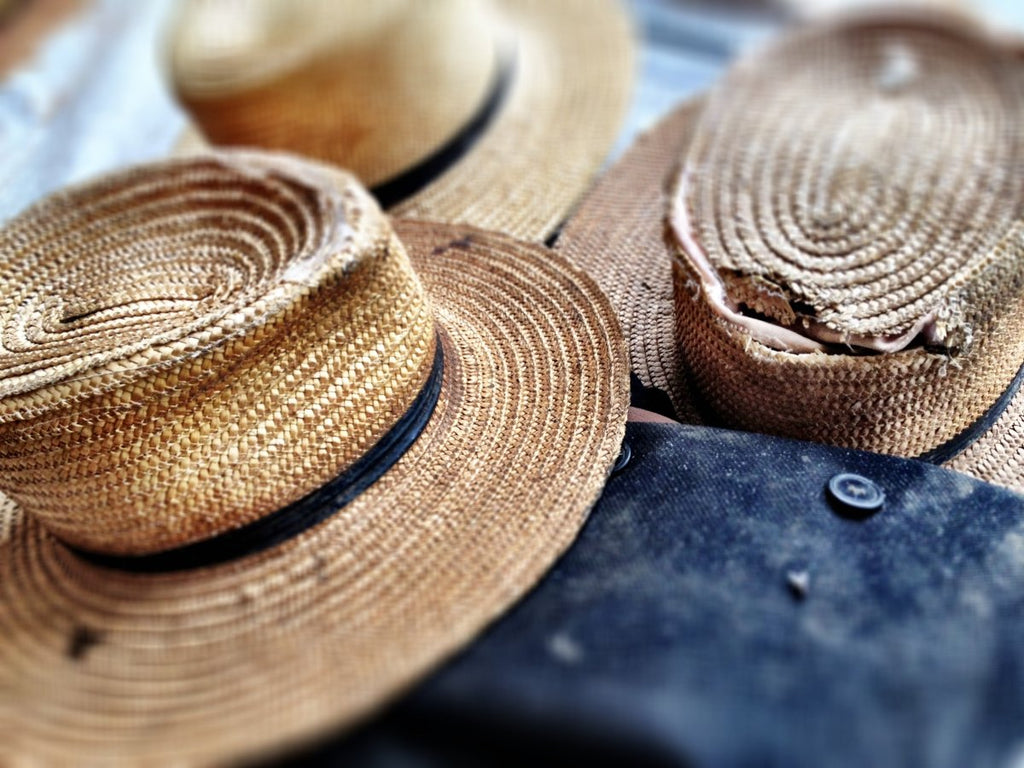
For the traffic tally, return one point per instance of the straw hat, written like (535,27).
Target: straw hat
(266,460)
(495,113)
(831,247)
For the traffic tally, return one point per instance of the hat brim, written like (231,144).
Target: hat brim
(234,660)
(570,79)
(619,235)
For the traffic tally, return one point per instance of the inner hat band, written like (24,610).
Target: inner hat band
(411,181)
(963,440)
(301,515)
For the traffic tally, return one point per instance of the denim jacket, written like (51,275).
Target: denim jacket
(723,607)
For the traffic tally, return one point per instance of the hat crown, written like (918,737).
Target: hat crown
(190,346)
(859,175)
(371,86)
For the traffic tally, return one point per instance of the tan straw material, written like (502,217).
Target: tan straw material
(191,345)
(523,98)
(619,236)
(24,25)
(844,221)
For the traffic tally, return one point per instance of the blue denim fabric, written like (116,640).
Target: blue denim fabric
(719,610)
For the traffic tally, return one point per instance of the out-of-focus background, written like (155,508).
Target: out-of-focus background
(83,87)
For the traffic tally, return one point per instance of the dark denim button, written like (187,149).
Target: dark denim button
(856,493)
(625,454)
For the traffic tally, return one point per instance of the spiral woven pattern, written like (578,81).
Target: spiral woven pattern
(850,180)
(855,186)
(226,333)
(689,319)
(199,667)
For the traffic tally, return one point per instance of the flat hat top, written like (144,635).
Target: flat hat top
(857,175)
(147,262)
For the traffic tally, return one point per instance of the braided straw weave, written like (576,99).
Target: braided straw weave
(619,237)
(378,87)
(850,207)
(188,345)
(229,339)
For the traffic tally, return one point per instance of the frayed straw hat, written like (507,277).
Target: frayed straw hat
(266,460)
(831,245)
(495,113)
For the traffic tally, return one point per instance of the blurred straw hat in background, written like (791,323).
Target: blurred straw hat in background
(491,113)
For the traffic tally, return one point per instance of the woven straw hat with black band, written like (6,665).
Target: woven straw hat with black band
(267,460)
(494,113)
(830,246)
